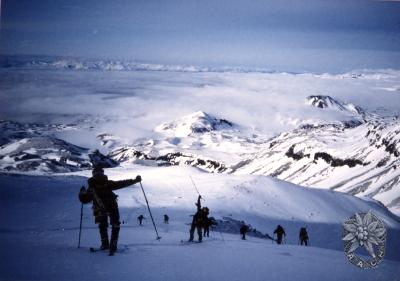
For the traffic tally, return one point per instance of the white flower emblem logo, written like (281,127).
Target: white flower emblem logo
(364,230)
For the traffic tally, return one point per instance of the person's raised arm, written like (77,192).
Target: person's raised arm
(124,183)
(198,204)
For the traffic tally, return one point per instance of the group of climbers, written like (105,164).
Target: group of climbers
(141,218)
(280,234)
(105,211)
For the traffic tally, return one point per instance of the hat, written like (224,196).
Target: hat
(97,170)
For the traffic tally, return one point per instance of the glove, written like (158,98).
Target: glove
(138,178)
(83,189)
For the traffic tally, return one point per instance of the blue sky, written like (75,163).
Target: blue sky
(293,35)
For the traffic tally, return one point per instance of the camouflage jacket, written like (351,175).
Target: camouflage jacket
(100,191)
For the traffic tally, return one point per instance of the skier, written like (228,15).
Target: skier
(140,219)
(166,219)
(279,231)
(243,230)
(209,222)
(198,221)
(105,205)
(303,236)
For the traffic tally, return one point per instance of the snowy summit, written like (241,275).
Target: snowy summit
(327,102)
(195,123)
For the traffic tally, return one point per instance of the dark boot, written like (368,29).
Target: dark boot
(114,239)
(105,245)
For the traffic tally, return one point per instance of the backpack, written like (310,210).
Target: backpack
(85,196)
(303,233)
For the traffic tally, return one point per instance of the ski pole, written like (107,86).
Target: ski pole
(222,237)
(267,236)
(80,227)
(195,187)
(151,216)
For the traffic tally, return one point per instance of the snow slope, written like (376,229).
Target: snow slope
(359,158)
(40,220)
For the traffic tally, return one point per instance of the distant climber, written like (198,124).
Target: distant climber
(105,206)
(303,236)
(166,219)
(199,220)
(140,219)
(243,230)
(280,232)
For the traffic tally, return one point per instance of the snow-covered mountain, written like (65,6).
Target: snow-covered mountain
(49,155)
(361,159)
(44,154)
(198,139)
(71,63)
(198,122)
(11,130)
(34,148)
(327,102)
(80,64)
(358,155)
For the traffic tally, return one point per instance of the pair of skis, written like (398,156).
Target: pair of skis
(186,242)
(119,250)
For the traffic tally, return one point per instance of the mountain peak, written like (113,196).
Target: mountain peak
(328,102)
(195,123)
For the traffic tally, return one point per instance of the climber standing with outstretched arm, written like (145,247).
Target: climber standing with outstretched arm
(105,205)
(199,220)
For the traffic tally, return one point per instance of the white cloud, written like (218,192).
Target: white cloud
(131,104)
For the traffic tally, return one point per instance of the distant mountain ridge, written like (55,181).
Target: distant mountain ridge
(101,64)
(32,148)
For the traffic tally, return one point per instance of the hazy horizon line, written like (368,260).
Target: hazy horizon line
(217,67)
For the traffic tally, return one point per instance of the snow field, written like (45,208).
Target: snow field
(40,217)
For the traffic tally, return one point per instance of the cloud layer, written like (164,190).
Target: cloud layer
(131,104)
